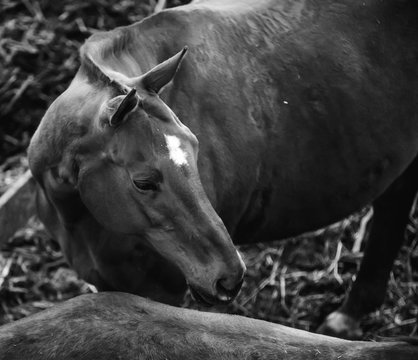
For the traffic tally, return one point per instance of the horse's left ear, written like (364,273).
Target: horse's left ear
(162,74)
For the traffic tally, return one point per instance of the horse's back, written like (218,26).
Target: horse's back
(123,326)
(310,105)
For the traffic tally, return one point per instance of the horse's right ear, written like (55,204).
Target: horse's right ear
(159,76)
(120,106)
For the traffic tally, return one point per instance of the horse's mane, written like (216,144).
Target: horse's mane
(99,47)
(127,49)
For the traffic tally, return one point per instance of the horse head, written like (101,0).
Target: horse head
(133,164)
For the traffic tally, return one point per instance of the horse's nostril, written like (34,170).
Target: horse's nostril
(225,291)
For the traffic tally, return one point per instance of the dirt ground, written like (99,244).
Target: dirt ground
(296,282)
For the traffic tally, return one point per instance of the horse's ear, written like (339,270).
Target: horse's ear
(162,74)
(120,106)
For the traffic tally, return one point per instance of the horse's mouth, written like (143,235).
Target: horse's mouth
(207,300)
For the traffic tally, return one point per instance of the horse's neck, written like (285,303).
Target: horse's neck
(134,49)
(137,48)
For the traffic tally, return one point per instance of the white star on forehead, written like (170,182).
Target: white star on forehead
(177,155)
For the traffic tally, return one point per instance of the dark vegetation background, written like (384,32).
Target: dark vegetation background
(294,282)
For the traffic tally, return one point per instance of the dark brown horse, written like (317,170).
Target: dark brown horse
(303,111)
(123,326)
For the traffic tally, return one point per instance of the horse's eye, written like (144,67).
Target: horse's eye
(145,186)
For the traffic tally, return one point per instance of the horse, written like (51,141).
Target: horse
(283,117)
(123,326)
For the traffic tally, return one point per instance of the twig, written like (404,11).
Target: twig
(334,265)
(92,288)
(19,93)
(283,288)
(161,4)
(260,287)
(361,233)
(6,270)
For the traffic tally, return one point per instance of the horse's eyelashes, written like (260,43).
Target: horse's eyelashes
(146,185)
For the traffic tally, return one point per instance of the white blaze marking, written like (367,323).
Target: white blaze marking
(176,152)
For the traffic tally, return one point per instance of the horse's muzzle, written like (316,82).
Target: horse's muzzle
(223,296)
